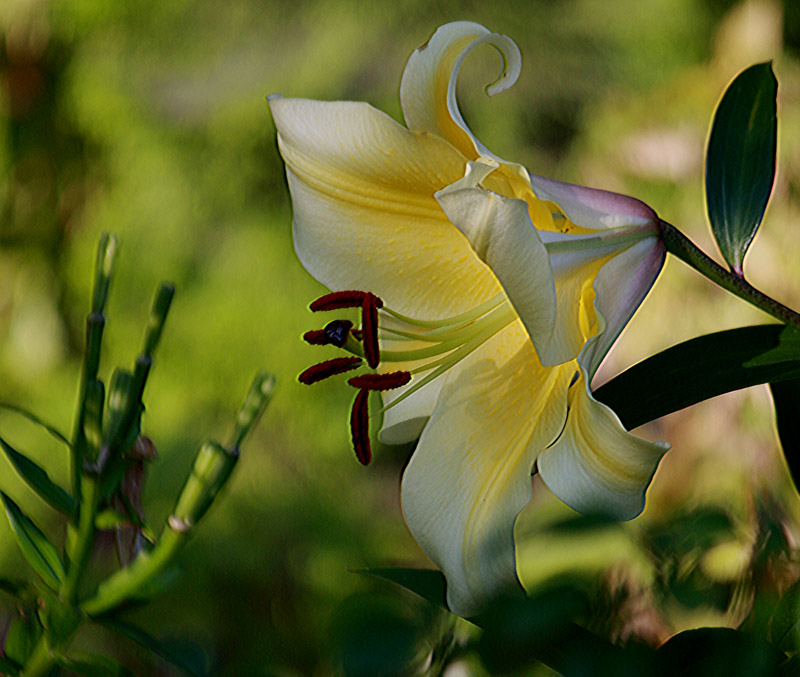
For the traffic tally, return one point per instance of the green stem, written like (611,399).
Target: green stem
(84,539)
(684,249)
(124,584)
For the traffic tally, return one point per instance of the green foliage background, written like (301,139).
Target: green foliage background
(149,120)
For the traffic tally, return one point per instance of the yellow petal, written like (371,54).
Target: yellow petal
(364,213)
(470,475)
(500,231)
(596,466)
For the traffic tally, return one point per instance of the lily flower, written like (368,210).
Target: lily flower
(489,297)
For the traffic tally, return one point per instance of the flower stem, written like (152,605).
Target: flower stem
(683,248)
(84,540)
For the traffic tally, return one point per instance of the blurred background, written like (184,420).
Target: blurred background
(149,120)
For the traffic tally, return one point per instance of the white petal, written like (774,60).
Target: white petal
(364,213)
(600,280)
(620,287)
(502,234)
(428,86)
(596,466)
(470,475)
(593,208)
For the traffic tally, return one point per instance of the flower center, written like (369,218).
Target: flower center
(387,337)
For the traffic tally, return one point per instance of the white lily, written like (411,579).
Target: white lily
(503,292)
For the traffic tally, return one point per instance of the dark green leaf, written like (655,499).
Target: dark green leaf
(718,651)
(9,667)
(701,368)
(93,665)
(38,551)
(189,662)
(427,583)
(519,631)
(786,396)
(740,161)
(39,480)
(35,420)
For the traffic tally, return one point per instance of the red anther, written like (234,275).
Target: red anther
(323,370)
(393,379)
(316,337)
(369,328)
(339,299)
(359,427)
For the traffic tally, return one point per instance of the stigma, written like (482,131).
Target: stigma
(387,337)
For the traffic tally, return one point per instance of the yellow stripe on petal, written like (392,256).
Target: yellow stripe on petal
(470,475)
(364,213)
(428,86)
(596,466)
(500,231)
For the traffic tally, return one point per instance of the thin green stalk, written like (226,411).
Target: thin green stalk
(252,408)
(124,584)
(84,539)
(95,323)
(680,246)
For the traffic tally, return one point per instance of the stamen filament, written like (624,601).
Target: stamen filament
(442,365)
(472,314)
(485,326)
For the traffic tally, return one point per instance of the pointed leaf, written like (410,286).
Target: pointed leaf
(786,396)
(35,420)
(39,480)
(725,361)
(427,583)
(740,161)
(38,551)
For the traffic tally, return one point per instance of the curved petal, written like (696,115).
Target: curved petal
(596,466)
(593,208)
(600,280)
(364,213)
(470,474)
(619,289)
(502,234)
(428,86)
